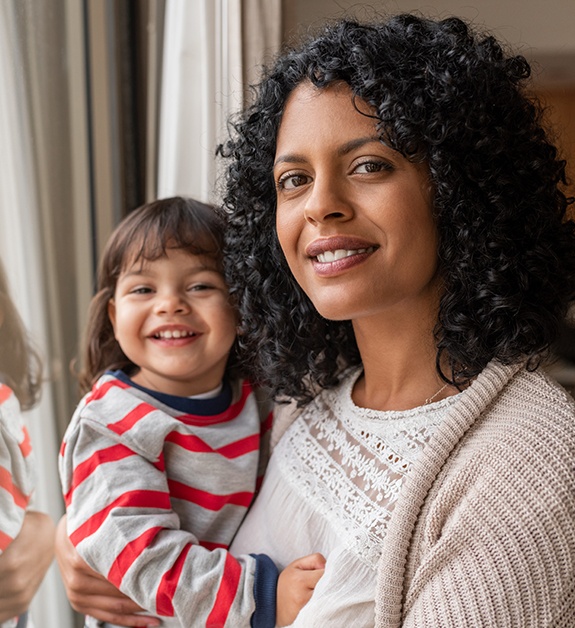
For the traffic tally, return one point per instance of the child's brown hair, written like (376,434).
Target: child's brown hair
(20,364)
(144,235)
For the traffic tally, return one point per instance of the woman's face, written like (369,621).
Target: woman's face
(354,217)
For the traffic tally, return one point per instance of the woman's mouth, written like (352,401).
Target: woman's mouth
(328,257)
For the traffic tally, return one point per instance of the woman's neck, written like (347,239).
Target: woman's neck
(399,361)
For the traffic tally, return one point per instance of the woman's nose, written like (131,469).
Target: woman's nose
(327,201)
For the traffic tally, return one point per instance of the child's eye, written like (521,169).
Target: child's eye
(199,287)
(290,181)
(141,290)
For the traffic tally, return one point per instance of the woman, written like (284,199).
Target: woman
(400,255)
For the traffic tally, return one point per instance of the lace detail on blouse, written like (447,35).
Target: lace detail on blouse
(349,463)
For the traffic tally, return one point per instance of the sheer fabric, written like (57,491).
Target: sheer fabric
(331,487)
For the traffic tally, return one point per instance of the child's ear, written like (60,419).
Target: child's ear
(112,313)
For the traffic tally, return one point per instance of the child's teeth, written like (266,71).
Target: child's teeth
(173,334)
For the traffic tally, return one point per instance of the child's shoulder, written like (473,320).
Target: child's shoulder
(6,394)
(12,427)
(243,389)
(114,411)
(10,413)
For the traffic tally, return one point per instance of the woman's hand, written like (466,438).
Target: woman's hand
(296,584)
(24,564)
(89,592)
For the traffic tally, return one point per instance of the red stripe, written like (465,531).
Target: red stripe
(267,423)
(189,442)
(160,464)
(241,447)
(63,448)
(25,445)
(259,482)
(226,593)
(132,499)
(209,545)
(129,554)
(169,584)
(5,393)
(208,500)
(99,392)
(135,415)
(85,469)
(20,499)
(228,415)
(5,540)
(238,448)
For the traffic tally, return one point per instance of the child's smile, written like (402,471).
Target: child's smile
(172,319)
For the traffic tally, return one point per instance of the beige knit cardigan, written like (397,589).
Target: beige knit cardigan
(483,533)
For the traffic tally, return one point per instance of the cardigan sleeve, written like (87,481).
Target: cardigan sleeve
(497,547)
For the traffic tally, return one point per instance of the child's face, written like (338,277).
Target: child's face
(172,318)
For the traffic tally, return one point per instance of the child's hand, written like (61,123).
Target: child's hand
(295,586)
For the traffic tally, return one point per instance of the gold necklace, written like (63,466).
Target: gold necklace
(430,399)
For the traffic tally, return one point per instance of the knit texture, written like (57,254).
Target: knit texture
(483,533)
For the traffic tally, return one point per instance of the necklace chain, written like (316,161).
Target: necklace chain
(430,399)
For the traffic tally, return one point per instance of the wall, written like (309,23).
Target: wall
(542,30)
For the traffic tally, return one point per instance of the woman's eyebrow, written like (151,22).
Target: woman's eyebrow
(291,158)
(344,149)
(358,142)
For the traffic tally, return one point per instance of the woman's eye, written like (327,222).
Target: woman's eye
(291,181)
(368,167)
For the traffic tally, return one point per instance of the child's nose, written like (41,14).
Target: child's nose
(172,303)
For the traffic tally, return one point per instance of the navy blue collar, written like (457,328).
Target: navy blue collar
(200,407)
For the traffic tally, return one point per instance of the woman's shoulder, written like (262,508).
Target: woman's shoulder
(535,399)
(528,427)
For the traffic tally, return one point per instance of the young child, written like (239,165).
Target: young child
(20,381)
(163,455)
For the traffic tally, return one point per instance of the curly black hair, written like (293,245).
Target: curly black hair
(454,99)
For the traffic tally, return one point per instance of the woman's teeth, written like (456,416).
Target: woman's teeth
(173,334)
(333,256)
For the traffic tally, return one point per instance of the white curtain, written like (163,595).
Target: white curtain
(201,60)
(204,61)
(21,253)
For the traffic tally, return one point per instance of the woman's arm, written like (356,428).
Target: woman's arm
(24,563)
(89,592)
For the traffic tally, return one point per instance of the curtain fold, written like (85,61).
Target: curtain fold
(203,83)
(22,246)
(80,96)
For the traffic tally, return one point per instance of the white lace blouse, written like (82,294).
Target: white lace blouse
(331,485)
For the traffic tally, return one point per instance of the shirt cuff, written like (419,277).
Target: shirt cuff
(265,592)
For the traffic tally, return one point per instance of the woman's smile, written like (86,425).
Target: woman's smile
(354,217)
(334,255)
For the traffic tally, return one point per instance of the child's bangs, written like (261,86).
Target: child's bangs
(151,241)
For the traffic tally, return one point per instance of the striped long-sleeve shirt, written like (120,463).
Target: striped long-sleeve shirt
(17,471)
(155,488)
